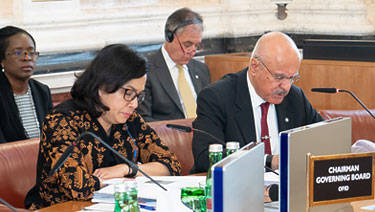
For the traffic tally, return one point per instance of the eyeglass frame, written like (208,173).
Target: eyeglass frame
(279,78)
(21,54)
(198,46)
(140,97)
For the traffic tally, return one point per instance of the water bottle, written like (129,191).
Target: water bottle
(133,205)
(215,154)
(121,196)
(231,147)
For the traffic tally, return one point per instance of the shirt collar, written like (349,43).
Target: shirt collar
(168,60)
(255,98)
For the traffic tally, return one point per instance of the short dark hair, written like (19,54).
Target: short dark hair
(179,17)
(7,32)
(112,67)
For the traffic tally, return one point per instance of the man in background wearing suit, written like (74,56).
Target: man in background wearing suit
(174,78)
(254,104)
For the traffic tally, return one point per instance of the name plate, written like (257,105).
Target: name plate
(340,178)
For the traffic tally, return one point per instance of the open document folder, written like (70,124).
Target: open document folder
(150,194)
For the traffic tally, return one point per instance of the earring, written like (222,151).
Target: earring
(2,69)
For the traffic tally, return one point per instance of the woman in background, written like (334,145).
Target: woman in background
(104,99)
(24,101)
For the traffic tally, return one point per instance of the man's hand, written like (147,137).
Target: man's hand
(112,172)
(275,162)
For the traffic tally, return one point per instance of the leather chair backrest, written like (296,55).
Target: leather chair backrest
(18,160)
(177,141)
(17,170)
(363,125)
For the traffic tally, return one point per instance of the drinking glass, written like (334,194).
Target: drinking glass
(194,198)
(121,196)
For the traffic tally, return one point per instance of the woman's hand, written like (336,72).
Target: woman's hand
(112,172)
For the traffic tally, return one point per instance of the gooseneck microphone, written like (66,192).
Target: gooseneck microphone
(62,159)
(335,90)
(69,150)
(271,170)
(8,205)
(273,192)
(324,90)
(189,129)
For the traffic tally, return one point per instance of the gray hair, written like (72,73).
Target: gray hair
(179,18)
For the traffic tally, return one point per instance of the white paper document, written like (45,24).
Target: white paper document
(165,200)
(271,178)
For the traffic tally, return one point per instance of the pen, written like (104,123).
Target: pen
(147,207)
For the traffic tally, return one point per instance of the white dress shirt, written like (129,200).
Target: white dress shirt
(173,70)
(273,129)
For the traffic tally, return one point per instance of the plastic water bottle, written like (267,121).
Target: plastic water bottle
(121,197)
(231,147)
(133,205)
(215,155)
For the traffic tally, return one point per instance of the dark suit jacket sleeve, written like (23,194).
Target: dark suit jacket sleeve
(210,111)
(298,109)
(312,116)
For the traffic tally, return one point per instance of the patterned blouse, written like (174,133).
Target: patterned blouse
(74,180)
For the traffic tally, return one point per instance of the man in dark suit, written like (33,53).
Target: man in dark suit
(232,108)
(174,78)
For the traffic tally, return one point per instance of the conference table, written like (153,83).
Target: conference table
(78,205)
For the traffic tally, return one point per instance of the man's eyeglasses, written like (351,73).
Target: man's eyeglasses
(21,54)
(279,77)
(188,47)
(130,94)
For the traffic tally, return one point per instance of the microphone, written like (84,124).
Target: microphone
(273,192)
(334,90)
(189,129)
(180,127)
(8,205)
(324,90)
(69,150)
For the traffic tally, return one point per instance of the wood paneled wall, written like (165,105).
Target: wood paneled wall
(222,64)
(358,77)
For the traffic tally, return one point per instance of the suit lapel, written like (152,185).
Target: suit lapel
(38,102)
(283,119)
(194,78)
(244,114)
(163,75)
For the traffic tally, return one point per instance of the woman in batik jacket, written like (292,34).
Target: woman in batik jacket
(104,99)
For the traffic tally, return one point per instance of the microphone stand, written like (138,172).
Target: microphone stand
(8,205)
(130,163)
(206,133)
(189,129)
(359,101)
(271,170)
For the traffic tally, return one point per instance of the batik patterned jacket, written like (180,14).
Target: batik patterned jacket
(74,180)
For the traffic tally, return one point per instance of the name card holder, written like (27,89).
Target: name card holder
(335,179)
